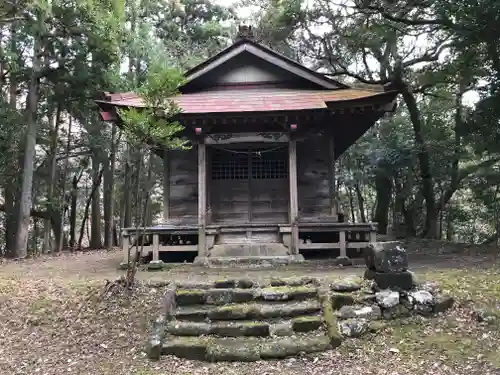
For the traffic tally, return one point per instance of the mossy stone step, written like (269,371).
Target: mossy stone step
(248,311)
(229,329)
(240,327)
(224,296)
(216,350)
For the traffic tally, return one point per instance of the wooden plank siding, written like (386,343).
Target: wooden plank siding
(268,200)
(184,185)
(312,175)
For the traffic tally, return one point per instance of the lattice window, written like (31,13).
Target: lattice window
(229,165)
(270,165)
(251,163)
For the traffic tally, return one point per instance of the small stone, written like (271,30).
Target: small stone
(349,284)
(353,327)
(387,298)
(245,284)
(394,280)
(367,299)
(360,312)
(421,297)
(443,303)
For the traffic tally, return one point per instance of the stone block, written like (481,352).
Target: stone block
(341,299)
(386,257)
(307,323)
(394,280)
(360,312)
(353,327)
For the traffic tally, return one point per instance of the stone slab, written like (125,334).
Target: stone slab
(394,280)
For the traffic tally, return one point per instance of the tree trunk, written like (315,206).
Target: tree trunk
(127,192)
(25,202)
(95,186)
(351,204)
(95,222)
(74,201)
(424,163)
(109,205)
(64,201)
(50,189)
(383,188)
(361,203)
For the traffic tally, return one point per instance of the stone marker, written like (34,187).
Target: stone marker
(386,257)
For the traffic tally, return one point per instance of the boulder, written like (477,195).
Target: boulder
(387,298)
(386,257)
(394,280)
(353,327)
(360,312)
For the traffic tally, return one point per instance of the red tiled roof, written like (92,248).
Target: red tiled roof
(251,100)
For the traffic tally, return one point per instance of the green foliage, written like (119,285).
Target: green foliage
(152,124)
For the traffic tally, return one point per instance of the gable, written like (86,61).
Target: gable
(247,63)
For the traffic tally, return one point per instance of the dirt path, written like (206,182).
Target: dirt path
(52,321)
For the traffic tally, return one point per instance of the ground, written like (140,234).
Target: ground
(55,319)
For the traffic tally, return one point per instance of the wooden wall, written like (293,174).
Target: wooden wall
(312,177)
(229,201)
(184,185)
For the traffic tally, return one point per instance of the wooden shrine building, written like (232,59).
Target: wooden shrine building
(258,182)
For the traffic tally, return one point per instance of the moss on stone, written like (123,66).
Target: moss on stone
(187,347)
(237,312)
(185,297)
(232,351)
(286,293)
(330,318)
(283,348)
(241,328)
(376,326)
(307,323)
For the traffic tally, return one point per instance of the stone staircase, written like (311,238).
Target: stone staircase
(238,320)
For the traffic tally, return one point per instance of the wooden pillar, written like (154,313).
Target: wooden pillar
(294,203)
(331,176)
(125,246)
(202,198)
(343,245)
(166,186)
(156,247)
